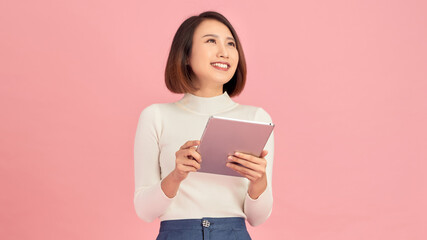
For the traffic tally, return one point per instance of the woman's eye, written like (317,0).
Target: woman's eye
(211,40)
(232,44)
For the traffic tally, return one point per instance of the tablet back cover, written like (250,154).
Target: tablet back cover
(224,136)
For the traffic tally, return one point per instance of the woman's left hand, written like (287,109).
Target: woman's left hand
(254,168)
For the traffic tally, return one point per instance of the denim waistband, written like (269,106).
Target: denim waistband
(198,224)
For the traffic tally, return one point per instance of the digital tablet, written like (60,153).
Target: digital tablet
(224,136)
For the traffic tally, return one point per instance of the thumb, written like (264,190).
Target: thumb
(264,153)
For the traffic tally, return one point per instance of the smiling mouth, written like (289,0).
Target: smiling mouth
(221,66)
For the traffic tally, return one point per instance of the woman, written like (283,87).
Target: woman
(207,64)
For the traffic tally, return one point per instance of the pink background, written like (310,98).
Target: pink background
(345,82)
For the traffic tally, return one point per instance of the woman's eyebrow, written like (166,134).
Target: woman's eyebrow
(216,36)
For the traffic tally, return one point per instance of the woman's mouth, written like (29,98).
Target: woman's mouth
(221,66)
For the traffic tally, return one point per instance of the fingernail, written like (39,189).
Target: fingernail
(230,158)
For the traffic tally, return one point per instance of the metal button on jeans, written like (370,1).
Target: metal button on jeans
(206,223)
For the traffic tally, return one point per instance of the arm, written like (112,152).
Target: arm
(187,160)
(259,198)
(153,195)
(258,209)
(149,200)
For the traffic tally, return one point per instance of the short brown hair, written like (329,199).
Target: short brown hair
(178,73)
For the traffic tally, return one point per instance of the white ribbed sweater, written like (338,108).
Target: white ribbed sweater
(162,129)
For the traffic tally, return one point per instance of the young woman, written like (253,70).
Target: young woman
(206,63)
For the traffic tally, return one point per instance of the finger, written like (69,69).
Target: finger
(243,170)
(246,163)
(186,168)
(249,157)
(186,154)
(264,153)
(190,144)
(193,154)
(192,166)
(190,162)
(251,178)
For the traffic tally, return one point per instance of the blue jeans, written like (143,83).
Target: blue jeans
(232,228)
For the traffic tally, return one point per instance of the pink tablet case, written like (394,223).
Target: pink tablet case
(223,136)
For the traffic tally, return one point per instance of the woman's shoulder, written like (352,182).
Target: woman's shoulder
(154,110)
(259,114)
(157,107)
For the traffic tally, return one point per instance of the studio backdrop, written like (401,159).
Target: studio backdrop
(345,82)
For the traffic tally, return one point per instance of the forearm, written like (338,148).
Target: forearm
(170,184)
(258,210)
(258,202)
(151,202)
(257,188)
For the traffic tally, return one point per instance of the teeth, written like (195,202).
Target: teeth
(221,65)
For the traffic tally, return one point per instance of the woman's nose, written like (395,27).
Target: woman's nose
(222,51)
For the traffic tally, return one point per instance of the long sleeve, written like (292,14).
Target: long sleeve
(258,210)
(162,128)
(150,202)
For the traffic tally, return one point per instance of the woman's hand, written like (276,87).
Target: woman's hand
(187,160)
(253,168)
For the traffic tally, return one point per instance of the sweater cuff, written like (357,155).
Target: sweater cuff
(152,202)
(258,210)
(260,198)
(166,198)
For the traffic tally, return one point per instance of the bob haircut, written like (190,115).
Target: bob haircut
(178,73)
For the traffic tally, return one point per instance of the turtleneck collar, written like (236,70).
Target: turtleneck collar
(206,105)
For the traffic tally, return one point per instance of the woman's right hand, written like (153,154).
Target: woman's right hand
(187,160)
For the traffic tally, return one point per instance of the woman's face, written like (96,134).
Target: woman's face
(214,56)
